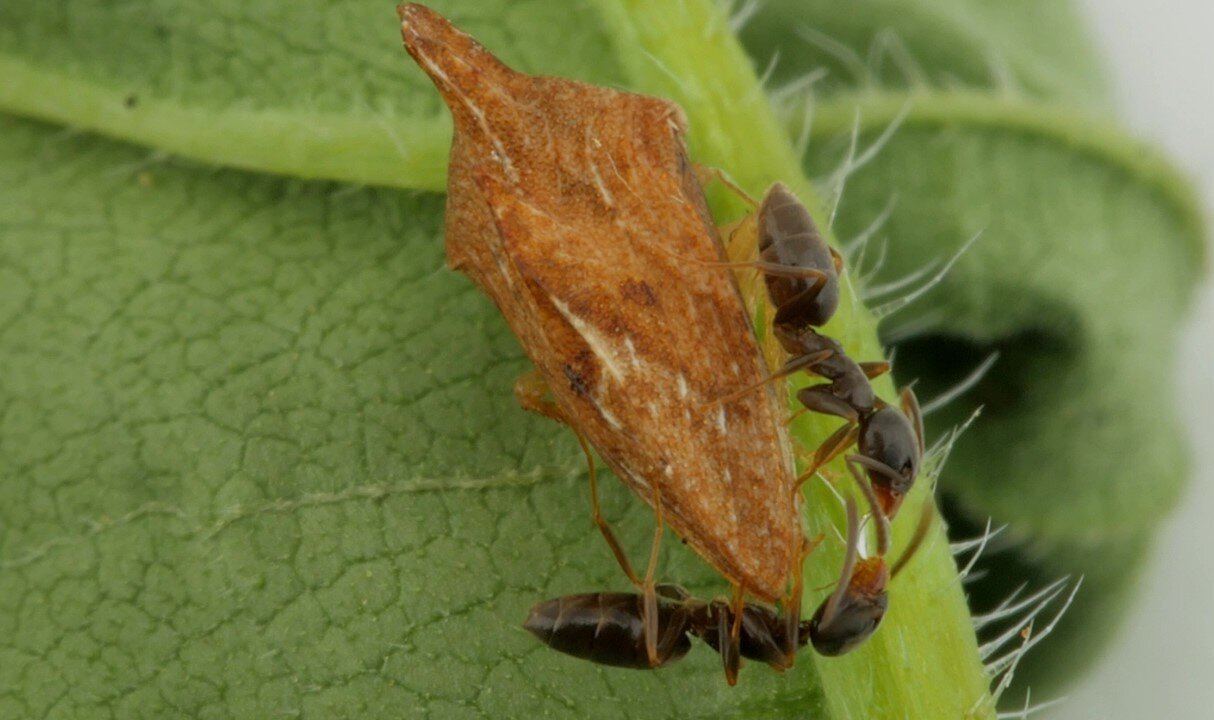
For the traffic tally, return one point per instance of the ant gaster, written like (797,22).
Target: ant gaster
(800,269)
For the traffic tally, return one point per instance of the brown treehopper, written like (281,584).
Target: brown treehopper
(576,209)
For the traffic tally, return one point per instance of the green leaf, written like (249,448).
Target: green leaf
(263,445)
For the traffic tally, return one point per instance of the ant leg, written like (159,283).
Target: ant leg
(792,603)
(880,519)
(820,399)
(925,522)
(792,366)
(793,418)
(705,174)
(889,484)
(910,406)
(801,362)
(649,587)
(830,607)
(874,369)
(831,448)
(770,268)
(808,293)
(531,393)
(731,651)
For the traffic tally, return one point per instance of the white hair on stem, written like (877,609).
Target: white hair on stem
(887,42)
(893,306)
(738,18)
(1003,663)
(923,324)
(1030,710)
(872,292)
(967,383)
(846,57)
(859,241)
(1009,608)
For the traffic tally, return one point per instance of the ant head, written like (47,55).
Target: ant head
(857,614)
(889,449)
(855,609)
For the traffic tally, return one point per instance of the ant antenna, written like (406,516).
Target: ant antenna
(925,522)
(874,504)
(849,564)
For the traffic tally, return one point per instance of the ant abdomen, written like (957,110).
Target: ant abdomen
(788,237)
(608,628)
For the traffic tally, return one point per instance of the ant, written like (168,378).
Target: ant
(890,443)
(626,630)
(609,627)
(801,271)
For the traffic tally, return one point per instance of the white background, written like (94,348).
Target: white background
(1162,665)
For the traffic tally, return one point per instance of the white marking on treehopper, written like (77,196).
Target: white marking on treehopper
(599,345)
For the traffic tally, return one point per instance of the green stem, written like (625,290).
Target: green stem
(923,662)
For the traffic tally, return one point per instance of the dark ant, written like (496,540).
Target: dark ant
(801,272)
(614,628)
(608,628)
(890,443)
(853,611)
